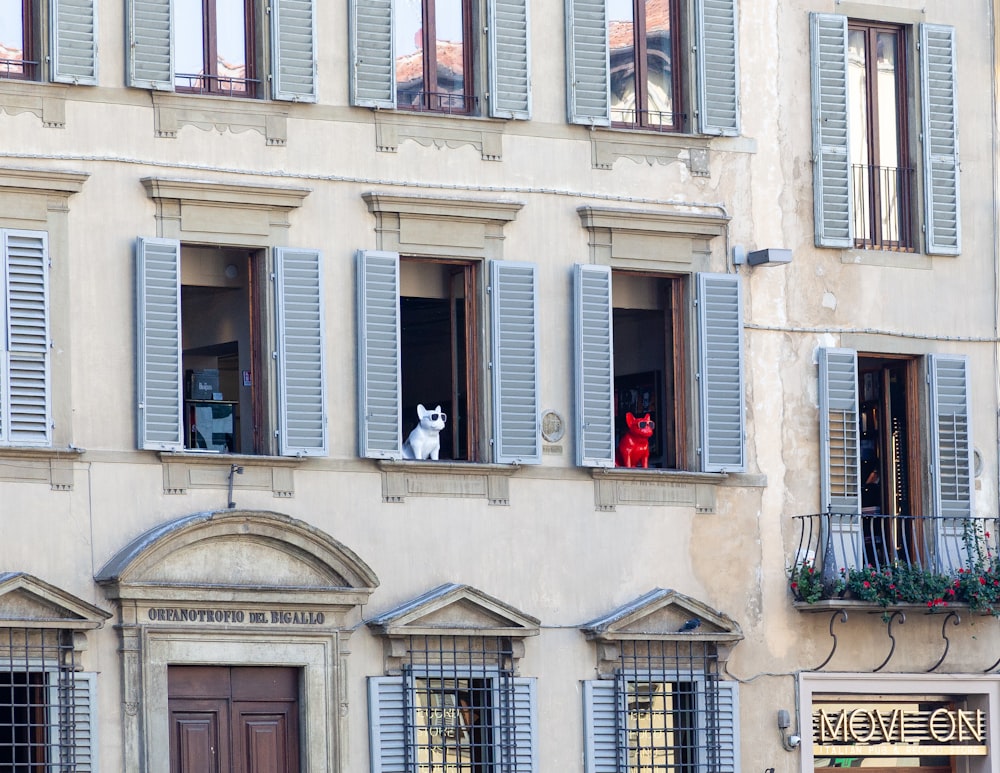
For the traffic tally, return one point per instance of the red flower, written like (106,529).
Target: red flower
(867,584)
(795,586)
(982,580)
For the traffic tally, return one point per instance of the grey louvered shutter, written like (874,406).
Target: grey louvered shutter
(729,727)
(373,64)
(720,372)
(515,363)
(83,730)
(587,79)
(158,346)
(509,59)
(25,400)
(718,67)
(150,45)
(293,42)
(387,726)
(74,42)
(951,436)
(831,136)
(940,130)
(379,380)
(301,364)
(601,736)
(594,366)
(518,727)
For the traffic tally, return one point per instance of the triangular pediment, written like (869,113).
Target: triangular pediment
(664,614)
(26,599)
(455,610)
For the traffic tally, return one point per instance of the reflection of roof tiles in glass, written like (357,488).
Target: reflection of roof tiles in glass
(449,60)
(11,54)
(657,20)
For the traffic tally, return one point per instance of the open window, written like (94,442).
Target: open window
(49,40)
(215,48)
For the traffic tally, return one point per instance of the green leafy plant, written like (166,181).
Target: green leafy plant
(806,583)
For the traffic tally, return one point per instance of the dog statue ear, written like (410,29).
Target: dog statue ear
(421,410)
(629,419)
(438,409)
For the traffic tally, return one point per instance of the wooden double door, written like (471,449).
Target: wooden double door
(233,719)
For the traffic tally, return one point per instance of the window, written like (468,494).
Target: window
(205,315)
(418,344)
(49,40)
(664,711)
(632,338)
(865,178)
(218,47)
(434,53)
(627,69)
(25,399)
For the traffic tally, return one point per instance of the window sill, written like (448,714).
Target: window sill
(440,131)
(210,112)
(651,147)
(469,480)
(183,471)
(34,464)
(615,486)
(45,100)
(886,258)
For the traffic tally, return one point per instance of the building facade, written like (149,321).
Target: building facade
(502,386)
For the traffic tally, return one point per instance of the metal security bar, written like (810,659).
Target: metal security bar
(668,707)
(225,85)
(883,200)
(37,701)
(459,698)
(653,120)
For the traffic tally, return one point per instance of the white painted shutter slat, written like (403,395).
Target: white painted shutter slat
(373,67)
(379,375)
(150,55)
(83,732)
(302,422)
(601,737)
(594,339)
(729,727)
(515,363)
(387,724)
(940,129)
(26,399)
(587,79)
(74,42)
(294,45)
(831,136)
(158,348)
(720,372)
(509,59)
(951,436)
(718,67)
(518,736)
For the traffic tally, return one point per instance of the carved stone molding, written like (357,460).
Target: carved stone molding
(182,472)
(45,100)
(54,467)
(655,488)
(172,111)
(609,145)
(392,128)
(402,479)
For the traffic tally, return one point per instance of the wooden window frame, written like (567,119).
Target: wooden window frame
(30,63)
(211,82)
(641,72)
(428,30)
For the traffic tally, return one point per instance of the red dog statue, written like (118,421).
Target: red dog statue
(633,448)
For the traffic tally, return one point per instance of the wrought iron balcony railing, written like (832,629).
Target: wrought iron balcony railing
(883,205)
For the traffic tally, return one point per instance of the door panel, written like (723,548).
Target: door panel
(199,736)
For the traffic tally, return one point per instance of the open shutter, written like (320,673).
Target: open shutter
(519,721)
(515,363)
(729,728)
(373,66)
(509,59)
(718,67)
(587,80)
(83,731)
(951,438)
(601,736)
(26,400)
(720,372)
(831,138)
(379,383)
(301,367)
(74,42)
(150,45)
(293,40)
(592,329)
(158,348)
(940,131)
(387,724)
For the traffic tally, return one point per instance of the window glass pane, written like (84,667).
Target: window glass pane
(659,64)
(447,714)
(11,37)
(621,45)
(888,99)
(857,86)
(408,35)
(449,22)
(660,724)
(189,59)
(231,55)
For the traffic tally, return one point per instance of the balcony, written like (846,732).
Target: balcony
(881,561)
(883,205)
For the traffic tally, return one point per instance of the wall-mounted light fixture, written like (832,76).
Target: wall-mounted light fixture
(788,742)
(772,256)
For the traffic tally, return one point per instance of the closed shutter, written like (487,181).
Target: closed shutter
(515,363)
(729,727)
(940,130)
(831,137)
(294,46)
(387,726)
(587,80)
(720,372)
(518,727)
(718,67)
(595,431)
(373,69)
(379,382)
(509,59)
(74,42)
(301,366)
(83,731)
(601,735)
(150,44)
(158,349)
(951,436)
(25,401)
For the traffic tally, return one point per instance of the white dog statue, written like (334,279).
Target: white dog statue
(425,440)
